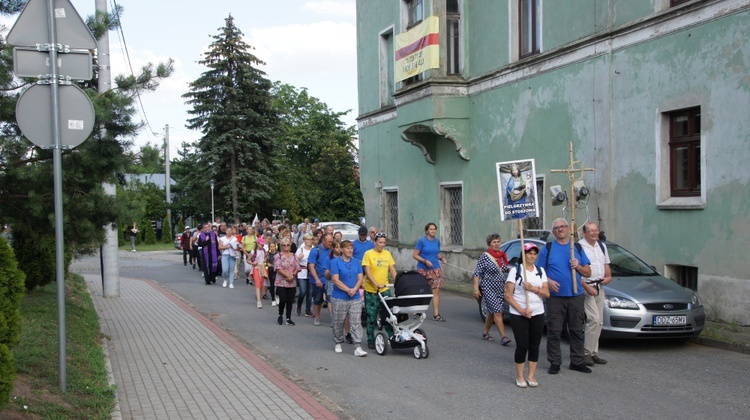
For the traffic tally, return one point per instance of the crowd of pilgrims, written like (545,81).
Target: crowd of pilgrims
(276,257)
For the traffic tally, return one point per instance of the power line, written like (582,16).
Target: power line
(121,36)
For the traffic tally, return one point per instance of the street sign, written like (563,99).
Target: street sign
(29,62)
(31,27)
(35,120)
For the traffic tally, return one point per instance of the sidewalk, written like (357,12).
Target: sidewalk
(169,361)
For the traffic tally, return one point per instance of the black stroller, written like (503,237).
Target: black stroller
(412,297)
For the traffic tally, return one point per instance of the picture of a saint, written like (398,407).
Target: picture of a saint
(516,189)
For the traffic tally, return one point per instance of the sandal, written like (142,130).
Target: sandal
(438,318)
(487,337)
(505,341)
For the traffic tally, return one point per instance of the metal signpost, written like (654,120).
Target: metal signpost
(54,114)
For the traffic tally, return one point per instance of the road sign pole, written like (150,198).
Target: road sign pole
(57,169)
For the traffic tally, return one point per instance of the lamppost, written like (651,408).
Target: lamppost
(212,202)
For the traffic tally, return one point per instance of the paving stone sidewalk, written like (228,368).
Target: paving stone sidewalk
(169,361)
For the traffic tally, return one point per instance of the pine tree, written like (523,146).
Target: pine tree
(232,106)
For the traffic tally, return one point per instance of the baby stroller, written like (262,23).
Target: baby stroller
(412,297)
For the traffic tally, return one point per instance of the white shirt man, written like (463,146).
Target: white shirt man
(593,287)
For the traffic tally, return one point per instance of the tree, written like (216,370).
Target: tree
(317,152)
(26,176)
(11,293)
(232,107)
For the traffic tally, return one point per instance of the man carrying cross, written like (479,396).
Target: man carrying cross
(565,302)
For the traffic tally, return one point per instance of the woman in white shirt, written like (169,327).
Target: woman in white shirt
(524,293)
(303,252)
(228,245)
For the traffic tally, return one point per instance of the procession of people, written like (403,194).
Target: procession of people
(306,266)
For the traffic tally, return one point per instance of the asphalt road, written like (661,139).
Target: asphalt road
(464,377)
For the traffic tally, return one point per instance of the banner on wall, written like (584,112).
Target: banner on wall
(517,189)
(418,49)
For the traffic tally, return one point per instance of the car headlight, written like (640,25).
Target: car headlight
(621,303)
(696,301)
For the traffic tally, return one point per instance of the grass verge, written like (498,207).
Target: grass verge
(153,247)
(37,393)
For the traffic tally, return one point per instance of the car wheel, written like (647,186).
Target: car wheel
(482,308)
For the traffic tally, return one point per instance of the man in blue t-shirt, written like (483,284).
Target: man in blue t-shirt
(347,277)
(362,245)
(564,303)
(318,269)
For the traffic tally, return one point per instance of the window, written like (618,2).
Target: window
(529,27)
(452,215)
(685,152)
(391,214)
(386,67)
(452,24)
(533,225)
(684,275)
(415,12)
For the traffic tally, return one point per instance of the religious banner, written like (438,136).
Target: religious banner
(418,49)
(516,184)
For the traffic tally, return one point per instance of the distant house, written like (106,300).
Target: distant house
(653,94)
(156,179)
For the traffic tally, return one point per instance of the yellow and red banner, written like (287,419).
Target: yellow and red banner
(418,49)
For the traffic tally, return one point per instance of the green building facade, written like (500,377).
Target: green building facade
(653,94)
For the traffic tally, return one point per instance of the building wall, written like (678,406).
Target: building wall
(607,94)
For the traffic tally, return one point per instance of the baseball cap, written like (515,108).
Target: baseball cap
(528,246)
(187,227)
(362,230)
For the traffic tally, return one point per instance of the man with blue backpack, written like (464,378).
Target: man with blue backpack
(565,302)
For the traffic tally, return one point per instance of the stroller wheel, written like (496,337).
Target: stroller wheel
(381,344)
(420,332)
(426,352)
(417,352)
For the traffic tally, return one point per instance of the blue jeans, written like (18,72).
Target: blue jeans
(227,267)
(305,293)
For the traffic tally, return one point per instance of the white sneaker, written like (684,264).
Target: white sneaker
(273,302)
(260,305)
(225,284)
(277,300)
(231,286)
(359,352)
(337,349)
(316,322)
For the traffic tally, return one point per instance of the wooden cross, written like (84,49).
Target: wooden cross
(576,168)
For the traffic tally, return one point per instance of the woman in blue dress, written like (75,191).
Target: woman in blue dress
(489,281)
(427,254)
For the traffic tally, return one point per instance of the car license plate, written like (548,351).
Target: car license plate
(670,320)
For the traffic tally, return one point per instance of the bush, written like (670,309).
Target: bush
(35,253)
(149,234)
(11,292)
(167,236)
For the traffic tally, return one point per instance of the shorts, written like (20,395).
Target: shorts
(329,290)
(317,294)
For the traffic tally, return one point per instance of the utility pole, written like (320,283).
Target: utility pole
(166,182)
(109,258)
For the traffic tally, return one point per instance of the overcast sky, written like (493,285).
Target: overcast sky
(305,43)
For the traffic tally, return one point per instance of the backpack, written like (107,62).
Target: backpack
(519,278)
(578,246)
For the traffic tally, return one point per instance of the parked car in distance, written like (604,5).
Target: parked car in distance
(349,231)
(178,235)
(640,302)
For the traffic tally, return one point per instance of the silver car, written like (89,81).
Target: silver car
(640,303)
(349,231)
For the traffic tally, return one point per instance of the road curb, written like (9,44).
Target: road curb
(723,345)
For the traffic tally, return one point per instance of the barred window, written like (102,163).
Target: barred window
(452,215)
(391,214)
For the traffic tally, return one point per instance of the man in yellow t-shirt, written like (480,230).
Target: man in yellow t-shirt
(377,264)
